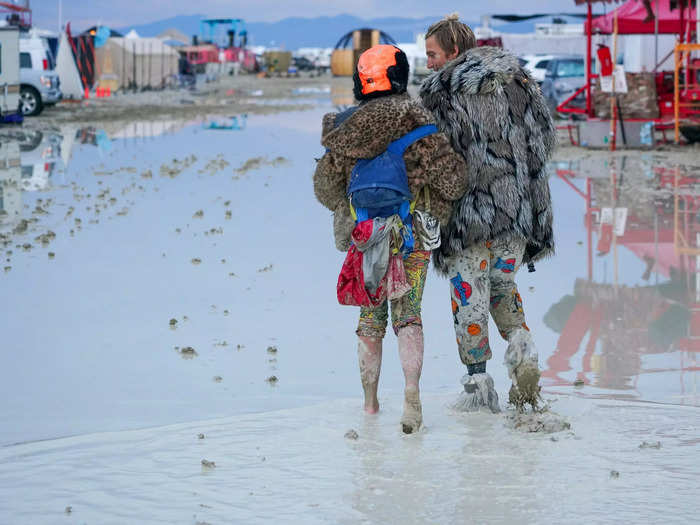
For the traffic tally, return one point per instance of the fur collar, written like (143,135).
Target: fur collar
(478,71)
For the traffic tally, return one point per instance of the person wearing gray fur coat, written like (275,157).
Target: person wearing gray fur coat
(495,116)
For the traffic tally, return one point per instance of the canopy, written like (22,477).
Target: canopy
(631,16)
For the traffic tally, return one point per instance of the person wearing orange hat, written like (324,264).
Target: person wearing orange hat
(435,175)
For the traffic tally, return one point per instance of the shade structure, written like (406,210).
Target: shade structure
(632,14)
(135,62)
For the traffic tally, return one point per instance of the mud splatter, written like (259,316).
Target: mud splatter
(265,269)
(21,227)
(544,421)
(257,162)
(188,353)
(45,238)
(206,464)
(352,434)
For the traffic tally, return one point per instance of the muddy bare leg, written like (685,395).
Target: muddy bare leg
(369,353)
(411,356)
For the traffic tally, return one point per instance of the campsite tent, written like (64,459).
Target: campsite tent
(71,83)
(632,14)
(134,61)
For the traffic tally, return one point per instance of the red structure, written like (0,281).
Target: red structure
(17,13)
(632,20)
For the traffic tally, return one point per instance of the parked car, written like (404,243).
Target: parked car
(536,65)
(564,76)
(303,64)
(39,84)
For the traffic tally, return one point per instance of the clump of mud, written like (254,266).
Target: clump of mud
(258,162)
(215,165)
(265,269)
(352,434)
(206,464)
(188,352)
(21,227)
(176,167)
(544,421)
(45,238)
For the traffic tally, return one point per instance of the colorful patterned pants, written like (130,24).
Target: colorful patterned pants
(482,280)
(405,310)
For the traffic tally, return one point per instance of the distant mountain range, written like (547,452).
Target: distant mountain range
(293,33)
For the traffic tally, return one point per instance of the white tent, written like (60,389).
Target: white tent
(71,85)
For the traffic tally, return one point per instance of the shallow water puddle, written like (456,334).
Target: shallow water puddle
(125,229)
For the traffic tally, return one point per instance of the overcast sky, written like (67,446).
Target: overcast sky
(122,13)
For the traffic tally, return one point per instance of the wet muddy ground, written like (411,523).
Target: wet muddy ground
(173,271)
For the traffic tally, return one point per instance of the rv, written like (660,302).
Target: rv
(9,75)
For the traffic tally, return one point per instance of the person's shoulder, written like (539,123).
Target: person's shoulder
(477,71)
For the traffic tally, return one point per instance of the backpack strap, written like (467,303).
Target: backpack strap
(400,145)
(426,193)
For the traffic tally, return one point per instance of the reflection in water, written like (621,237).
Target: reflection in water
(10,185)
(342,96)
(653,212)
(234,122)
(40,153)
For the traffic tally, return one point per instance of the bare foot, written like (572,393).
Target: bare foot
(371,407)
(412,412)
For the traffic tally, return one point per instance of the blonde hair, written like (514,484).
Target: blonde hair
(450,33)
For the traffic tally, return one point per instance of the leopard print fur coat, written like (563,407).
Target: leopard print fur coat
(495,116)
(365,134)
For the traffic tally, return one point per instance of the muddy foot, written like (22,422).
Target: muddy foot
(479,393)
(412,412)
(526,388)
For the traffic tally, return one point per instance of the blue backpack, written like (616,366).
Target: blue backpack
(379,186)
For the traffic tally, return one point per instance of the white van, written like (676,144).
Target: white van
(39,83)
(9,74)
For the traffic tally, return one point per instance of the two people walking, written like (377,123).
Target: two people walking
(480,175)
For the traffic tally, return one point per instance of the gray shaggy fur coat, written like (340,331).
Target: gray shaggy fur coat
(495,116)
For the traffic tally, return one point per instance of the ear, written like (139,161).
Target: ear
(454,53)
